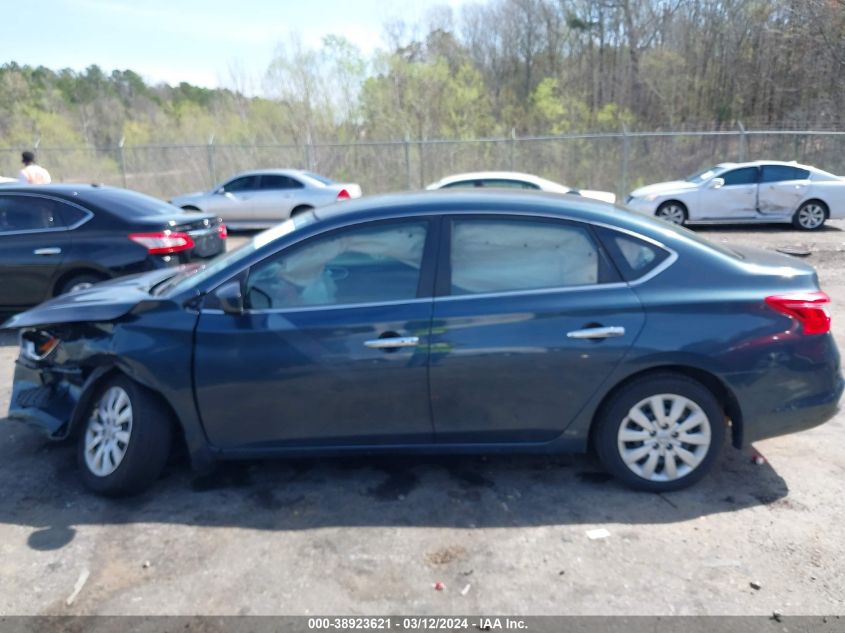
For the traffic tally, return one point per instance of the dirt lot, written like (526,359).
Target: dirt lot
(371,536)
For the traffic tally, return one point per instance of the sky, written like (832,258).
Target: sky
(198,41)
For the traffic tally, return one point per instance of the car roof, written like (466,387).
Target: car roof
(68,191)
(499,175)
(759,163)
(494,201)
(281,171)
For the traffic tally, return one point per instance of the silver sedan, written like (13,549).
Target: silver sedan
(258,199)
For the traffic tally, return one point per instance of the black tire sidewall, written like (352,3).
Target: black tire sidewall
(658,212)
(149,442)
(616,410)
(77,279)
(797,224)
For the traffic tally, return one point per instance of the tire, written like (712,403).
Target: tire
(79,282)
(810,216)
(301,209)
(645,445)
(139,440)
(672,211)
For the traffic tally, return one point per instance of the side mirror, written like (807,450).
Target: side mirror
(219,191)
(716,183)
(230,298)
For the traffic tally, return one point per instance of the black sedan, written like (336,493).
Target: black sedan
(59,238)
(438,322)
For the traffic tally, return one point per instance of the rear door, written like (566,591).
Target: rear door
(233,201)
(33,243)
(734,200)
(332,349)
(529,319)
(276,197)
(782,187)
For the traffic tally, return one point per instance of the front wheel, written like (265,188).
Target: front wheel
(810,216)
(673,212)
(660,433)
(125,439)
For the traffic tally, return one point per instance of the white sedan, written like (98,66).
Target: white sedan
(759,191)
(515,180)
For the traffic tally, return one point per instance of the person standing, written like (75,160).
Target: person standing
(33,173)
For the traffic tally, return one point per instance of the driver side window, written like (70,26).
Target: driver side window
(361,265)
(245,183)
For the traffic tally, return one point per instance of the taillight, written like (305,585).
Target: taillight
(808,308)
(343,195)
(222,231)
(163,242)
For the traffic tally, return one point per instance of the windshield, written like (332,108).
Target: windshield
(192,276)
(705,174)
(319,178)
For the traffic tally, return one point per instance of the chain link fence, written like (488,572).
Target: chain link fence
(616,162)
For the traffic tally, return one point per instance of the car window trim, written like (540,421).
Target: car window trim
(425,283)
(71,227)
(442,215)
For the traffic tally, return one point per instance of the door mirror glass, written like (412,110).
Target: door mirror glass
(230,298)
(717,183)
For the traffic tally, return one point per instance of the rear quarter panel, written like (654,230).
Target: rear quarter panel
(832,193)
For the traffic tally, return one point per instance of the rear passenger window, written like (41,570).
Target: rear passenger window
(776,173)
(512,255)
(28,213)
(278,181)
(634,257)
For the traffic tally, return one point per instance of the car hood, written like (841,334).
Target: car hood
(673,186)
(105,301)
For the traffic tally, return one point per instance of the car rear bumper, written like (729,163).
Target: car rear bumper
(790,395)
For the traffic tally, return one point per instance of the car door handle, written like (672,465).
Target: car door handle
(597,332)
(393,342)
(47,251)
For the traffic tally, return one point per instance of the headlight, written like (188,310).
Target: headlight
(37,345)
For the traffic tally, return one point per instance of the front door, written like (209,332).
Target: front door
(233,201)
(736,199)
(332,349)
(533,321)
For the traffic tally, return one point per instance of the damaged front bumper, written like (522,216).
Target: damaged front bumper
(45,396)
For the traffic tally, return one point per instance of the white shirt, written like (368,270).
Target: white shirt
(34,175)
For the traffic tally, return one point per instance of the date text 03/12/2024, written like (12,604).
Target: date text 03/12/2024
(421,623)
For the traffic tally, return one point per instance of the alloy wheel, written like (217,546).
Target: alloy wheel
(108,432)
(664,437)
(811,216)
(673,213)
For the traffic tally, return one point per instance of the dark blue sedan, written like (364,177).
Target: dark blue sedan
(438,322)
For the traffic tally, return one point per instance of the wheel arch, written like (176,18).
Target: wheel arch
(723,394)
(301,208)
(98,377)
(677,201)
(819,201)
(85,269)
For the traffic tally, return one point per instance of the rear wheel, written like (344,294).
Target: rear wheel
(660,433)
(125,440)
(78,282)
(300,209)
(672,211)
(810,216)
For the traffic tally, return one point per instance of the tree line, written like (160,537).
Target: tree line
(530,67)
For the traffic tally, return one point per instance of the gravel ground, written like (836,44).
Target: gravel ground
(371,536)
